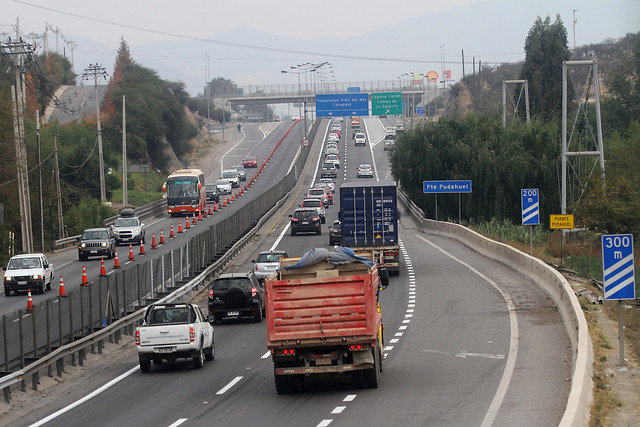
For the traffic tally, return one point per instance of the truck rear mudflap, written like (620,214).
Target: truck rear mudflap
(322,369)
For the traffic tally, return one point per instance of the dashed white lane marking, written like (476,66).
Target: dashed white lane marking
(349,398)
(178,422)
(394,341)
(226,388)
(388,348)
(324,423)
(406,321)
(338,409)
(402,328)
(399,334)
(266,355)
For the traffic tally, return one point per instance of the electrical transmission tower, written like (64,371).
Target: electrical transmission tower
(94,71)
(524,87)
(581,131)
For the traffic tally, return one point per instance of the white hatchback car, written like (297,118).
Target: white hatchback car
(333,158)
(224,186)
(360,139)
(267,262)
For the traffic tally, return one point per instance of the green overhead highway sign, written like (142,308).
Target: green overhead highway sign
(386,103)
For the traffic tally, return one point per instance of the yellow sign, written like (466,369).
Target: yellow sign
(561,221)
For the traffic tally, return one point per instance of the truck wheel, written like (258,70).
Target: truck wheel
(372,376)
(198,360)
(357,378)
(210,353)
(145,365)
(42,287)
(293,233)
(49,284)
(157,360)
(319,231)
(7,292)
(282,385)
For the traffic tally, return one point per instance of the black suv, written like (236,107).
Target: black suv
(236,295)
(97,242)
(212,193)
(335,233)
(305,219)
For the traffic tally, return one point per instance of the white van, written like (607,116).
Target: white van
(231,175)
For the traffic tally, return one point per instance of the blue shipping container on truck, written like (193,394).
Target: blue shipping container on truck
(369,214)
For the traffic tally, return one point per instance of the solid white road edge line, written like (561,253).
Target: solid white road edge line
(513,341)
(87,397)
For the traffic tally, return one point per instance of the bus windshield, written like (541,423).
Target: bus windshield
(182,188)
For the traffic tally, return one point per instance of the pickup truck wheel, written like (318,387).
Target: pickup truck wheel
(145,365)
(210,353)
(49,284)
(198,360)
(7,292)
(157,360)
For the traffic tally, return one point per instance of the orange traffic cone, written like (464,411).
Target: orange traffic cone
(210,211)
(194,222)
(215,207)
(232,197)
(61,292)
(186,226)
(29,302)
(85,281)
(161,242)
(153,241)
(180,226)
(200,215)
(103,272)
(131,253)
(224,202)
(116,263)
(141,249)
(171,235)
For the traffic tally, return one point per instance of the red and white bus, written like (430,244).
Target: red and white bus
(185,192)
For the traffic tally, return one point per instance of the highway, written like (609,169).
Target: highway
(468,341)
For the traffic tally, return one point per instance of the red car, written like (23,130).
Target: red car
(250,162)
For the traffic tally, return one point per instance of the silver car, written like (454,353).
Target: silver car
(316,204)
(267,262)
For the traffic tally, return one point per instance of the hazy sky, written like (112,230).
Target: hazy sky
(302,19)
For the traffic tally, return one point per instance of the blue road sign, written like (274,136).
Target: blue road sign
(353,89)
(404,105)
(530,206)
(419,110)
(446,186)
(345,104)
(618,272)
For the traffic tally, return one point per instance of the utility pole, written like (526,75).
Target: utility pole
(17,49)
(40,181)
(56,171)
(208,96)
(72,45)
(95,70)
(575,21)
(125,195)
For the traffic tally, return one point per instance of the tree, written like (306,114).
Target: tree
(545,48)
(221,87)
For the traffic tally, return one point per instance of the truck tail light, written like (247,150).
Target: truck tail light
(286,352)
(357,347)
(192,334)
(210,293)
(137,337)
(254,292)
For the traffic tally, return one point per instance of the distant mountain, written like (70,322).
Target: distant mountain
(490,31)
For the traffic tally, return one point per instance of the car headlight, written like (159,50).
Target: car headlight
(116,232)
(103,244)
(8,278)
(37,276)
(83,245)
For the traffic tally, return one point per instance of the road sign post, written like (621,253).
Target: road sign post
(618,275)
(530,211)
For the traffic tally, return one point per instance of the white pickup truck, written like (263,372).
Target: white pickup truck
(174,331)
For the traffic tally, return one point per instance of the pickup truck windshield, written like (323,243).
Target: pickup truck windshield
(24,263)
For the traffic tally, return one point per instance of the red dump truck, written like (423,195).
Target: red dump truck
(323,317)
